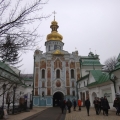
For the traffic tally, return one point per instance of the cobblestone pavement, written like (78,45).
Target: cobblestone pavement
(82,115)
(23,115)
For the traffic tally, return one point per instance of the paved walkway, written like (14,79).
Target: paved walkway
(77,115)
(23,115)
(54,113)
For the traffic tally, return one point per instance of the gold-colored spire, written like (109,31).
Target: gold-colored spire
(54,35)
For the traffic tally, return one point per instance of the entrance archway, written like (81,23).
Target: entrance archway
(56,98)
(93,96)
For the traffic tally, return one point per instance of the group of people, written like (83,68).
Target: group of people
(103,104)
(66,105)
(100,104)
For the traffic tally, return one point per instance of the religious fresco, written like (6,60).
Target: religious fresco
(68,91)
(57,64)
(62,58)
(36,64)
(48,63)
(48,73)
(48,91)
(36,78)
(42,64)
(73,84)
(58,83)
(72,65)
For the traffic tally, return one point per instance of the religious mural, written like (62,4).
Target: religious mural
(58,83)
(48,83)
(36,78)
(58,64)
(42,64)
(72,65)
(67,65)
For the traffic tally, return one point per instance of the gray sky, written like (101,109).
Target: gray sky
(83,24)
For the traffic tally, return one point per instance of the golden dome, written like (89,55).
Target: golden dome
(54,35)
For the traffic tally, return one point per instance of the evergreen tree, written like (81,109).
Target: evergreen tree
(9,51)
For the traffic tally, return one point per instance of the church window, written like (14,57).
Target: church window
(57,73)
(73,92)
(43,73)
(72,73)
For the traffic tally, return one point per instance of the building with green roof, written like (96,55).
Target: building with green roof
(94,82)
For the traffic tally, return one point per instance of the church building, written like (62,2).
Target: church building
(55,71)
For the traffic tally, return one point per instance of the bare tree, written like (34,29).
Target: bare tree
(110,64)
(16,21)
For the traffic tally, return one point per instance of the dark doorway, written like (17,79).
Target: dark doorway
(56,98)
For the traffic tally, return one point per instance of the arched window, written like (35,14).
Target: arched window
(43,73)
(57,73)
(72,73)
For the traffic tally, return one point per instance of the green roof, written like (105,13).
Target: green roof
(91,62)
(6,67)
(96,74)
(104,77)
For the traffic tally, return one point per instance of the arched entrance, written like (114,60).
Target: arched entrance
(93,96)
(56,98)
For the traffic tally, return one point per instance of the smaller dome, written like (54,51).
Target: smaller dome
(54,23)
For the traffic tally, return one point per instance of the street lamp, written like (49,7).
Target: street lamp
(4,87)
(14,89)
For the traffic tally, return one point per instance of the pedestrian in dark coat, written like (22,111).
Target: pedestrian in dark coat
(62,105)
(74,104)
(87,104)
(116,105)
(69,105)
(96,105)
(105,106)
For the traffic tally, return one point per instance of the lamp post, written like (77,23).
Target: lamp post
(14,89)
(4,87)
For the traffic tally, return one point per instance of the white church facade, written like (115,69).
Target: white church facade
(55,71)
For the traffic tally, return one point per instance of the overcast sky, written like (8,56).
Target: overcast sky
(84,24)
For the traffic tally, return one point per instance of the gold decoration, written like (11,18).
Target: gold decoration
(57,52)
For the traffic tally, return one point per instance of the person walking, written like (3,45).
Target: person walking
(87,104)
(62,105)
(69,105)
(96,105)
(74,104)
(116,105)
(105,106)
(79,104)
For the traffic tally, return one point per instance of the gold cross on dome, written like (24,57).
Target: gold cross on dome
(54,15)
